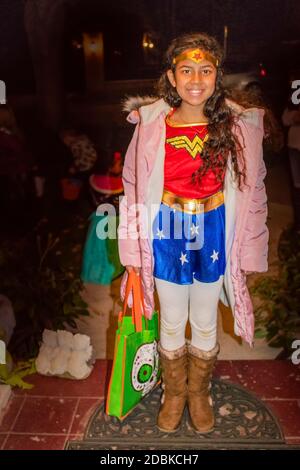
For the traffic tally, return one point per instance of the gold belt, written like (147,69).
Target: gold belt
(193,206)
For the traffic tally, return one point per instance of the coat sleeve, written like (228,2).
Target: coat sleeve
(128,236)
(254,249)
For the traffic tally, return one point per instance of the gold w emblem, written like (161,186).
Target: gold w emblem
(193,147)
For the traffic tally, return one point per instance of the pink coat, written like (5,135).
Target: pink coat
(246,211)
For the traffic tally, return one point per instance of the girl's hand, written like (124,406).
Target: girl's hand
(135,268)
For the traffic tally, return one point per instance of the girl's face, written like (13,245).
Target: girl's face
(195,82)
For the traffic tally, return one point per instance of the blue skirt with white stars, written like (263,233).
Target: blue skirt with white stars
(188,246)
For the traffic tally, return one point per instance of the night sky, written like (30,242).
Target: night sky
(257,29)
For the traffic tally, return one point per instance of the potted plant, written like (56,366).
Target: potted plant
(43,287)
(278,315)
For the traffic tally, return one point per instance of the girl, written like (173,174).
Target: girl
(193,218)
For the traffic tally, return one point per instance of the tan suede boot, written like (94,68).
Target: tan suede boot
(200,367)
(174,377)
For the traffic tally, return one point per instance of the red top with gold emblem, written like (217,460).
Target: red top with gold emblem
(184,144)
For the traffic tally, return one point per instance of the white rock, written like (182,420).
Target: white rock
(47,351)
(77,366)
(87,353)
(62,352)
(65,339)
(59,364)
(42,364)
(50,338)
(81,342)
(56,352)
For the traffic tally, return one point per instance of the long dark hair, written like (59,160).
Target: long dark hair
(222,139)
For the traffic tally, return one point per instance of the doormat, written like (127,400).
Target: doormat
(242,422)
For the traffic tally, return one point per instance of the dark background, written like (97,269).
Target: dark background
(259,31)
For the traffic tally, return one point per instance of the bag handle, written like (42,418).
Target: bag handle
(141,298)
(138,302)
(134,285)
(127,292)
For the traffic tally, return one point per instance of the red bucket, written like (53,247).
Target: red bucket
(70,188)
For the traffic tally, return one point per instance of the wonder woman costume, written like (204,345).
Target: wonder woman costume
(189,229)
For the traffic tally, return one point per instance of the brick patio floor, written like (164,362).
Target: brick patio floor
(56,410)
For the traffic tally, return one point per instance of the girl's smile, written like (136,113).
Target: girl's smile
(194,83)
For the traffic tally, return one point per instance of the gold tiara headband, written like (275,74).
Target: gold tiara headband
(197,56)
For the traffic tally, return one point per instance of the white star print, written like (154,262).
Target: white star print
(215,256)
(183,259)
(194,229)
(160,234)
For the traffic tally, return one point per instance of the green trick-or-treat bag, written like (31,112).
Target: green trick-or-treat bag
(136,369)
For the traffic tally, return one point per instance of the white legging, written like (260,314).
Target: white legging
(197,302)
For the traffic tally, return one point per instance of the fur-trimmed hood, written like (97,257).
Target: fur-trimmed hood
(146,108)
(133,103)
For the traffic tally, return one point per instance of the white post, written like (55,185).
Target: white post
(2,352)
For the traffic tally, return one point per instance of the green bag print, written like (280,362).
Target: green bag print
(136,368)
